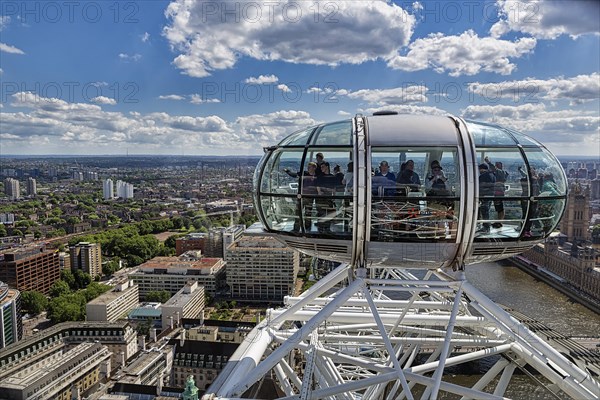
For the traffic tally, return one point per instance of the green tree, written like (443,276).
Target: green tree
(160,296)
(34,302)
(170,241)
(94,290)
(2,230)
(109,267)
(82,279)
(67,276)
(59,288)
(68,307)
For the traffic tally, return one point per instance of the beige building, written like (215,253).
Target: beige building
(187,303)
(114,304)
(87,257)
(57,374)
(172,273)
(577,266)
(118,337)
(261,269)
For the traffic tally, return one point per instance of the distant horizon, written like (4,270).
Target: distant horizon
(16,156)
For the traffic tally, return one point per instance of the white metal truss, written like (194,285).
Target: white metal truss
(390,335)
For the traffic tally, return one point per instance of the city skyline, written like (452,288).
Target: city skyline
(227,78)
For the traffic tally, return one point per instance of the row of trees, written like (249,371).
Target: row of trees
(68,297)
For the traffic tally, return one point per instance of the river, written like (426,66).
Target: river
(511,287)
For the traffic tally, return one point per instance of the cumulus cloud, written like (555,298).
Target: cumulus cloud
(262,80)
(104,100)
(171,97)
(400,95)
(145,37)
(197,99)
(87,125)
(466,54)
(267,129)
(547,19)
(10,49)
(212,36)
(284,88)
(343,113)
(563,131)
(576,90)
(405,109)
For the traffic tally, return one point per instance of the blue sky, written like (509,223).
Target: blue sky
(229,77)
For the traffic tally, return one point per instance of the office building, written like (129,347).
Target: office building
(11,323)
(115,304)
(57,375)
(576,219)
(30,268)
(118,337)
(150,367)
(12,188)
(7,218)
(192,241)
(186,303)
(87,257)
(108,189)
(219,331)
(261,269)
(172,273)
(220,238)
(31,187)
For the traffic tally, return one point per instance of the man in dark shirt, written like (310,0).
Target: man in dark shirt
(487,181)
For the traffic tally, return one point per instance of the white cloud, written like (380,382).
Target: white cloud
(267,129)
(343,113)
(130,58)
(1,71)
(262,79)
(171,97)
(10,49)
(405,109)
(87,127)
(197,99)
(577,89)
(547,19)
(284,88)
(145,37)
(563,131)
(318,33)
(104,100)
(400,95)
(466,54)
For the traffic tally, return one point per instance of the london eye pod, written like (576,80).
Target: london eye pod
(411,191)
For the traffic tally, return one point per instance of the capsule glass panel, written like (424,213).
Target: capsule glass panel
(337,133)
(414,194)
(503,187)
(299,138)
(489,135)
(548,173)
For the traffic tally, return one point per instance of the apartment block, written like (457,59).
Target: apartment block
(193,241)
(114,304)
(186,303)
(172,273)
(30,268)
(11,323)
(118,337)
(261,269)
(58,374)
(87,257)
